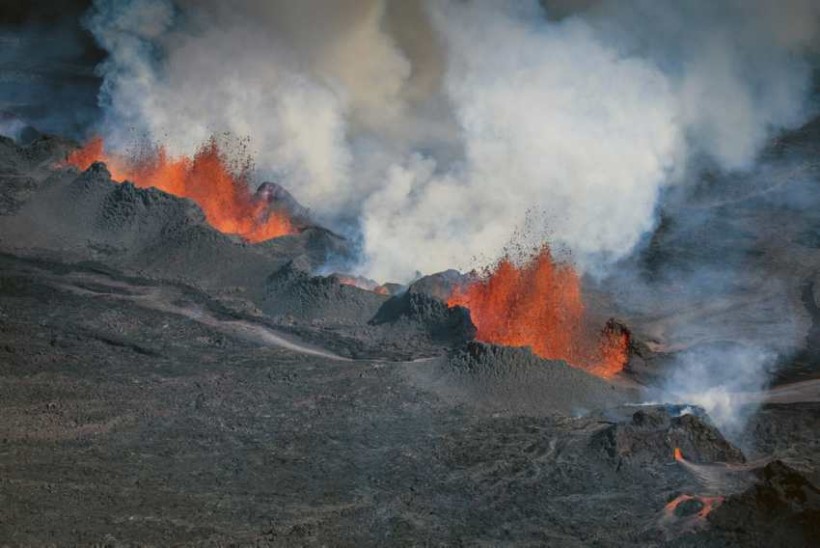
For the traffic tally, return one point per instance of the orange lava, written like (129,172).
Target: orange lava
(362,283)
(709,504)
(226,200)
(678,454)
(539,305)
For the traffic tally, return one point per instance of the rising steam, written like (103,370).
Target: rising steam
(721,381)
(431,130)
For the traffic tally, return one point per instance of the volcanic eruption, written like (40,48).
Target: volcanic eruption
(206,178)
(546,255)
(539,304)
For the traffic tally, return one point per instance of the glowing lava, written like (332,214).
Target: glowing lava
(702,506)
(361,283)
(224,197)
(539,305)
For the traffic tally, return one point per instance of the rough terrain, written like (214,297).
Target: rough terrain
(163,383)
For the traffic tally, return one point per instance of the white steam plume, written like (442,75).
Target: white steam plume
(550,119)
(431,129)
(727,382)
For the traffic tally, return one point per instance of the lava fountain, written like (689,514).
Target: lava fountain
(539,305)
(206,179)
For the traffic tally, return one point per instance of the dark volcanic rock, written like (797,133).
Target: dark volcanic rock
(127,216)
(134,410)
(419,311)
(87,216)
(653,432)
(293,292)
(781,509)
(44,151)
(505,379)
(79,217)
(439,285)
(360,323)
(139,408)
(789,431)
(279,199)
(23,169)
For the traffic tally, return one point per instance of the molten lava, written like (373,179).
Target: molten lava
(702,506)
(224,197)
(539,305)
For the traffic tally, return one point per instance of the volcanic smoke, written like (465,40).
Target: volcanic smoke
(539,305)
(224,197)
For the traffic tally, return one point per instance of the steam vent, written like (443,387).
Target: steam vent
(410,273)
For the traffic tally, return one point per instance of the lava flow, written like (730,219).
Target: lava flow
(692,507)
(539,305)
(225,198)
